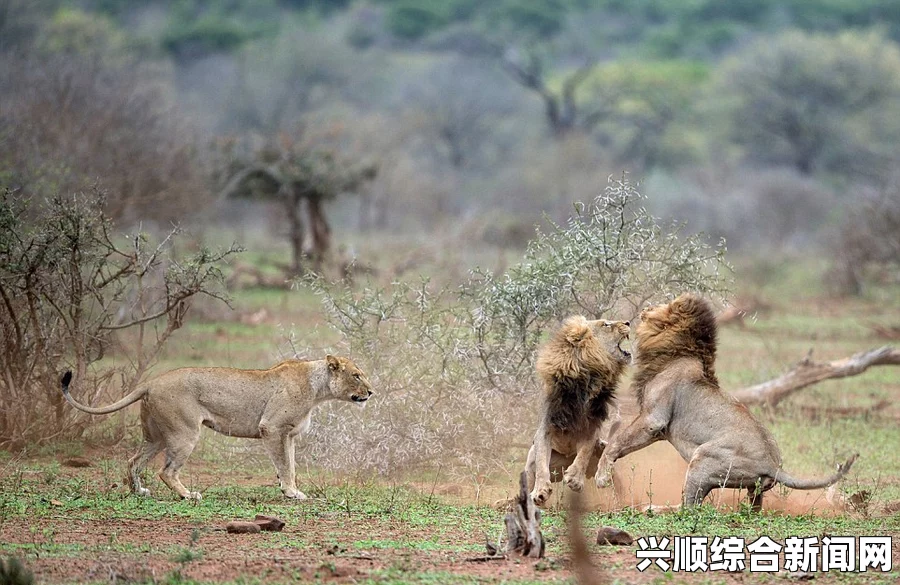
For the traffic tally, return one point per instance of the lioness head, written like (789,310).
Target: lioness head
(347,381)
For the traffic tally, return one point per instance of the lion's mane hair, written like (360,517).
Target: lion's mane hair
(686,327)
(579,378)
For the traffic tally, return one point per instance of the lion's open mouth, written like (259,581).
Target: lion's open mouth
(357,398)
(624,351)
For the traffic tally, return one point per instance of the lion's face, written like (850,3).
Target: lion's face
(347,381)
(612,334)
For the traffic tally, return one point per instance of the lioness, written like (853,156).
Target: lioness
(273,405)
(680,400)
(579,368)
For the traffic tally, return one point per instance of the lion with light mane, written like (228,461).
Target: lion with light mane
(274,405)
(680,401)
(579,368)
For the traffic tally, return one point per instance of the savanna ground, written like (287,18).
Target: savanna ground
(79,524)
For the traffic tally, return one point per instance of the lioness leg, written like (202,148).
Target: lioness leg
(136,464)
(179,446)
(288,484)
(280,445)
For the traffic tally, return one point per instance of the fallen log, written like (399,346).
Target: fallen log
(808,372)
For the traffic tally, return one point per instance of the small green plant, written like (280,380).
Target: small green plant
(184,557)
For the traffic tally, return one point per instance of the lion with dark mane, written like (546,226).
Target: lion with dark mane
(579,368)
(680,401)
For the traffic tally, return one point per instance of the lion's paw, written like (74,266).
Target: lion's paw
(575,480)
(295,495)
(143,492)
(603,479)
(540,495)
(193,496)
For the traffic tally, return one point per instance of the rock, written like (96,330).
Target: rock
(269,523)
(614,536)
(77,462)
(241,527)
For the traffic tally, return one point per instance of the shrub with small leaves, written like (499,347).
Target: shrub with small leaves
(454,365)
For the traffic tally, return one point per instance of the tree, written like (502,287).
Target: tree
(302,177)
(460,107)
(815,102)
(79,107)
(868,241)
(70,288)
(279,80)
(562,111)
(637,105)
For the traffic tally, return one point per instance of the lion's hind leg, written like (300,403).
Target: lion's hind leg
(575,473)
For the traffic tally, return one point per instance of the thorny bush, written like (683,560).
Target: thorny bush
(453,366)
(70,289)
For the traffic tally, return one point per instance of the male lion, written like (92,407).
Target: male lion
(579,368)
(680,400)
(273,405)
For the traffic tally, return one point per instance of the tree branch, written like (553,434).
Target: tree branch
(234,184)
(808,372)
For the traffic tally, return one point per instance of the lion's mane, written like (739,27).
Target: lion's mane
(686,327)
(579,378)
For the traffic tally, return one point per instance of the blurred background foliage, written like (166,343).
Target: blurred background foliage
(767,122)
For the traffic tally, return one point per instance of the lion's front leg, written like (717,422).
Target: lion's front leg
(541,491)
(643,431)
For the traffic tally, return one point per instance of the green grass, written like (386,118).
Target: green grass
(84,497)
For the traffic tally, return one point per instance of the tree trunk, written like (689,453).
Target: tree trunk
(808,372)
(321,232)
(295,218)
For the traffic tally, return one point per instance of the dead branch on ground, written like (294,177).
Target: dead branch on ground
(523,525)
(808,372)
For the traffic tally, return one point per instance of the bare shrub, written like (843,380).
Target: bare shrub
(753,208)
(69,290)
(867,242)
(68,118)
(453,364)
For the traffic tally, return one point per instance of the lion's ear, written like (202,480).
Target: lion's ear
(334,364)
(578,335)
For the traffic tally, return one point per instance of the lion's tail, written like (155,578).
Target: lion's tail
(125,401)
(810,484)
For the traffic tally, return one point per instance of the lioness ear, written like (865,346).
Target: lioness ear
(333,363)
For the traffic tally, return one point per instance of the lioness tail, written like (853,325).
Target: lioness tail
(129,399)
(810,484)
